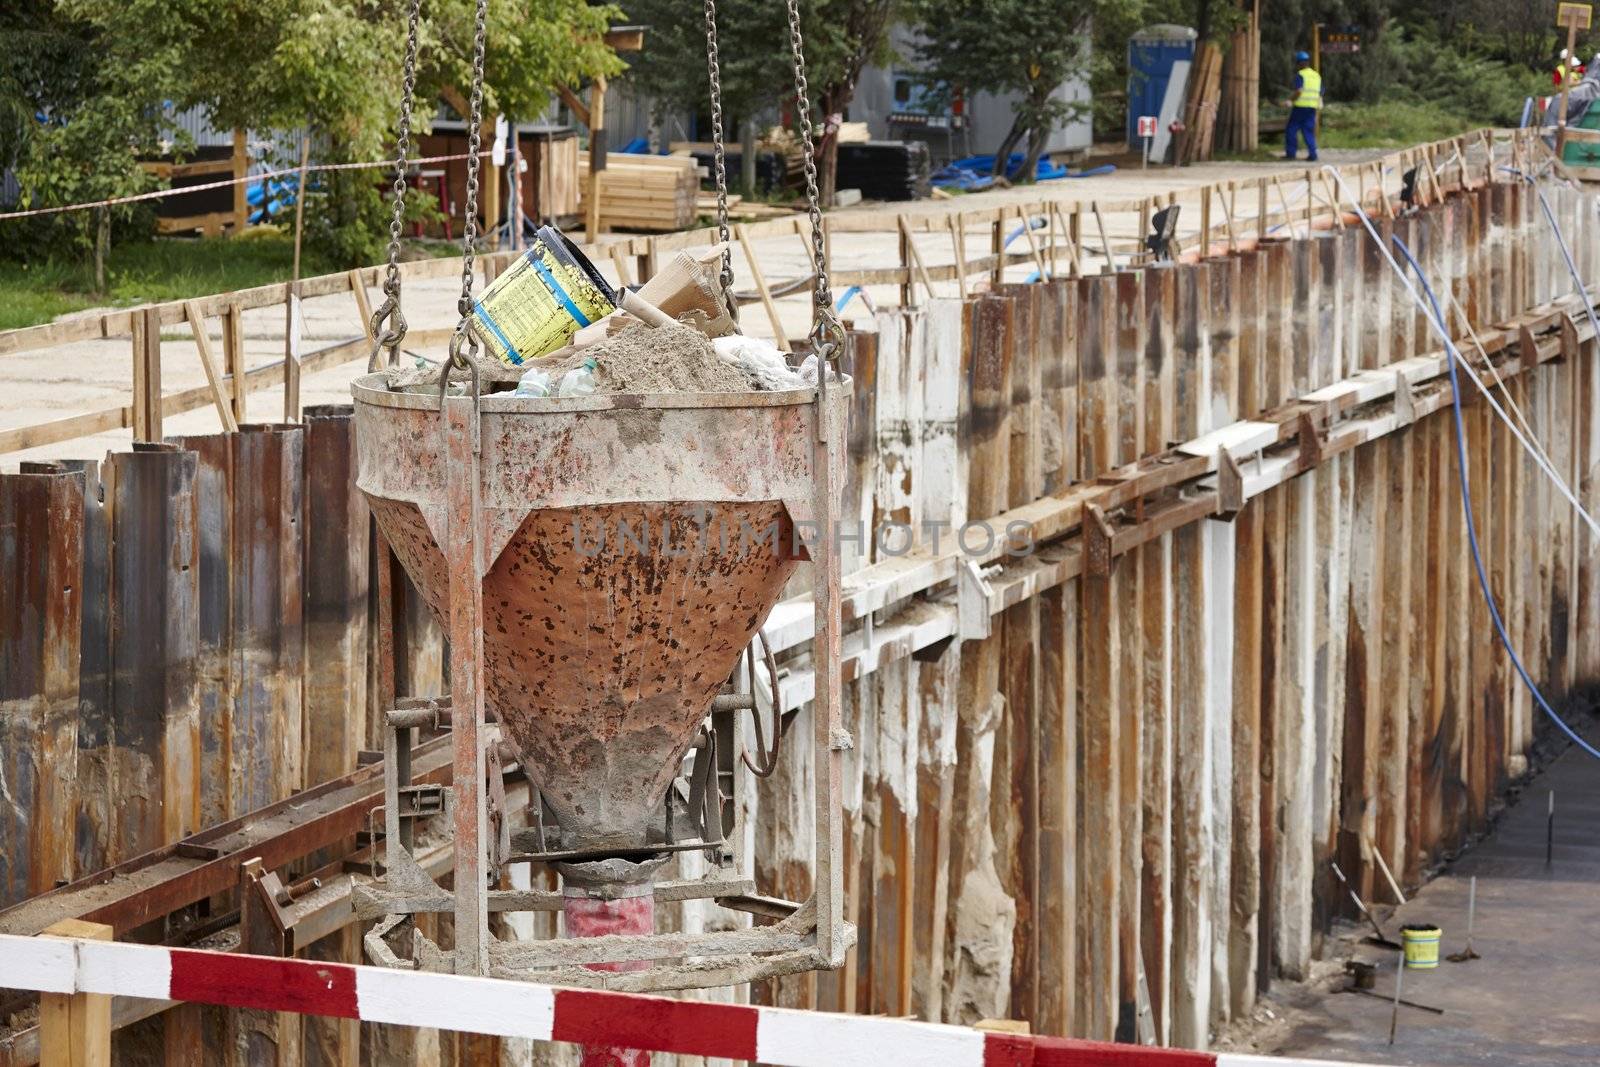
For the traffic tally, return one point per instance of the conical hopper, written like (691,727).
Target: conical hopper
(632,547)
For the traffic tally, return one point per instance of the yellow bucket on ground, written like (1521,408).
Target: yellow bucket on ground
(1421,942)
(537,304)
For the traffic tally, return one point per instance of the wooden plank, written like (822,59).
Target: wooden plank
(75,1028)
(1194,813)
(983,915)
(778,336)
(233,356)
(208,363)
(1128,396)
(1156,672)
(1056,906)
(1100,826)
(1246,845)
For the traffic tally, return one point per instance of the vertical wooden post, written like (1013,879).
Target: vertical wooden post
(291,352)
(75,1028)
(233,358)
(241,166)
(597,155)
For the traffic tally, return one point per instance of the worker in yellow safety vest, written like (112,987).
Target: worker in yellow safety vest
(1303,108)
(1568,70)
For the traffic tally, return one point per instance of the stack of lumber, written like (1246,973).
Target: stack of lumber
(1238,112)
(1200,106)
(886,170)
(651,193)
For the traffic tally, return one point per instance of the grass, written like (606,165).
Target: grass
(1393,124)
(162,269)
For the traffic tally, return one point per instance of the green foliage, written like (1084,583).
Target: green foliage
(139,271)
(1011,46)
(754,58)
(75,111)
(752,52)
(112,70)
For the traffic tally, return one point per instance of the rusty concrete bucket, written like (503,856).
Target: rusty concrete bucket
(633,545)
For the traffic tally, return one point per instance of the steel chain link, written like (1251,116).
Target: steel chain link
(388,322)
(719,153)
(464,337)
(826,332)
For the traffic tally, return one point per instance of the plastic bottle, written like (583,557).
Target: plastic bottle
(536,382)
(579,381)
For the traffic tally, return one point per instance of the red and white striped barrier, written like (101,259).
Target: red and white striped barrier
(551,1013)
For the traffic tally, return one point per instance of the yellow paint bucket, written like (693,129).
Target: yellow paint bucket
(1421,941)
(537,304)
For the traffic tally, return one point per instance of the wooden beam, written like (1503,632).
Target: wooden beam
(761,287)
(75,1028)
(208,363)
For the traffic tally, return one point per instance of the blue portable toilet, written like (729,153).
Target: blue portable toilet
(1151,53)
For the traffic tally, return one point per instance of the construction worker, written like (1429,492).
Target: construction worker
(1303,108)
(1567,71)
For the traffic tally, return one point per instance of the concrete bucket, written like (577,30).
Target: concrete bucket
(632,545)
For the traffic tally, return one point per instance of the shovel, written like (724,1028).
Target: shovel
(1381,939)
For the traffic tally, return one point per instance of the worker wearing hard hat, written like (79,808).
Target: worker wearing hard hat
(1568,71)
(1303,108)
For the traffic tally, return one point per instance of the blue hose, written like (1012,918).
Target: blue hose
(1466,507)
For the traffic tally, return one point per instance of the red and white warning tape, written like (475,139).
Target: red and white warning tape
(158,194)
(550,1013)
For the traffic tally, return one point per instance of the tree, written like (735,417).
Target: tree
(846,35)
(841,37)
(1011,46)
(76,111)
(282,64)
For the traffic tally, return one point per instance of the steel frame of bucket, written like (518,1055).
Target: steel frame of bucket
(813,936)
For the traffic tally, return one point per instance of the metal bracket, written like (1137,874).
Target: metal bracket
(1527,347)
(1230,486)
(1096,542)
(1310,441)
(973,622)
(1569,338)
(421,801)
(264,930)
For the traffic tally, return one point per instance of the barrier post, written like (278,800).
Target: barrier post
(75,1028)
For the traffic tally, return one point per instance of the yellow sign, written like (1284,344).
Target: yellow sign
(1580,16)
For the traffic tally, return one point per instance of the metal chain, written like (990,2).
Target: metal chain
(469,225)
(388,323)
(719,153)
(826,331)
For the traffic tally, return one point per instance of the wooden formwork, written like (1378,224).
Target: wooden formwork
(1214,710)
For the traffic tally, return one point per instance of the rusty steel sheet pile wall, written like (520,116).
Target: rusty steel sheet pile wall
(1188,700)
(185,640)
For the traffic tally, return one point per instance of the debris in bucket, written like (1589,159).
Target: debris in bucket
(535,306)
(550,326)
(536,382)
(761,360)
(579,381)
(639,358)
